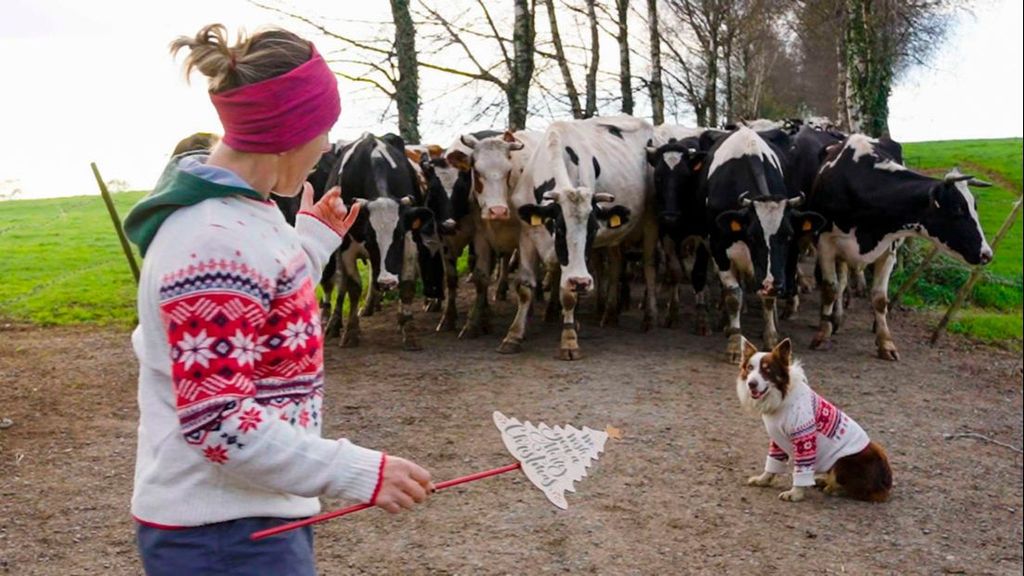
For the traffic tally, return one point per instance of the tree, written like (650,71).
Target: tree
(407,94)
(657,89)
(625,75)
(563,63)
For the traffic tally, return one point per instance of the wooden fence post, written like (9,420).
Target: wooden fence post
(117,222)
(975,274)
(914,276)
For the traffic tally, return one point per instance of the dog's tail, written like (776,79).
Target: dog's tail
(865,475)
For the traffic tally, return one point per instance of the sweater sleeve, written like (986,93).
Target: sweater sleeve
(318,241)
(215,312)
(776,461)
(805,453)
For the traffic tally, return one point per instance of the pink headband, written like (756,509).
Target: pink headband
(280,113)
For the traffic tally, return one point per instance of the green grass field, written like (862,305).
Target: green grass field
(61,263)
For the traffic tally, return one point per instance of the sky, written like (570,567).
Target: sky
(93,82)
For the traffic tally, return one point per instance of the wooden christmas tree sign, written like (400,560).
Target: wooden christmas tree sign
(553,460)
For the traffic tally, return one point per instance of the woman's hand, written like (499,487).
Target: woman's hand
(330,209)
(403,485)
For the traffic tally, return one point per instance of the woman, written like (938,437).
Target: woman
(229,342)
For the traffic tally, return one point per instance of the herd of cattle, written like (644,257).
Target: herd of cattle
(558,212)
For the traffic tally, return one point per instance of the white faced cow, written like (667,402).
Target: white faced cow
(377,175)
(586,186)
(496,163)
(871,202)
(753,223)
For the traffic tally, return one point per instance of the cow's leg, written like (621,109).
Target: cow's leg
(612,309)
(650,274)
(407,295)
(332,326)
(554,308)
(482,281)
(791,302)
(771,334)
(599,264)
(327,283)
(352,285)
(372,303)
(827,265)
(569,347)
(673,277)
(699,281)
(450,312)
(859,286)
(524,283)
(732,293)
(880,303)
(501,290)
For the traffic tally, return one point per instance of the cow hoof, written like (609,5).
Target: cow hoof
(648,323)
(569,354)
(732,351)
(432,306)
(411,345)
(820,342)
(350,340)
(669,321)
(510,346)
(447,324)
(332,331)
(470,332)
(366,311)
(889,354)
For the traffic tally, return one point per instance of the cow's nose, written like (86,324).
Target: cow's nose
(579,283)
(387,281)
(498,212)
(986,255)
(448,224)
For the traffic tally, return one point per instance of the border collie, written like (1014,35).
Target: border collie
(827,448)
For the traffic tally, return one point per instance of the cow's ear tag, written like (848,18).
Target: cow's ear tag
(416,224)
(807,226)
(615,221)
(536,220)
(734,225)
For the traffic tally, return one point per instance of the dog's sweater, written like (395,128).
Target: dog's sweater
(813,433)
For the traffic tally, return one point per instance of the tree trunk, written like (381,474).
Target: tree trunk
(625,74)
(563,64)
(656,87)
(595,57)
(518,92)
(842,110)
(869,65)
(407,96)
(730,111)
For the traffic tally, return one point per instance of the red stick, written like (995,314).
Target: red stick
(356,508)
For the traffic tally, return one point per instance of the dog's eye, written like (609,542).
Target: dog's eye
(750,367)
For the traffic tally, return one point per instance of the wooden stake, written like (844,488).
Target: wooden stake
(117,222)
(961,296)
(914,276)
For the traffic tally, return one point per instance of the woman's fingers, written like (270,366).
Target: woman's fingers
(350,218)
(415,491)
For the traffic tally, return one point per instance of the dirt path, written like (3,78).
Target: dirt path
(668,499)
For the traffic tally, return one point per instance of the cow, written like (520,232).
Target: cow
(676,160)
(586,186)
(496,163)
(870,203)
(752,220)
(392,224)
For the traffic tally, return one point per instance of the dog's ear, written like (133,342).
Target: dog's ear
(748,351)
(784,352)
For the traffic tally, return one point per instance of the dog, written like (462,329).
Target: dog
(828,449)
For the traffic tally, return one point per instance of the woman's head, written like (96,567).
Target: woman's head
(273,92)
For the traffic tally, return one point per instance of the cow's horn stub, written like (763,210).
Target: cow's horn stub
(796,200)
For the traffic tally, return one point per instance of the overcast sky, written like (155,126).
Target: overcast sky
(92,81)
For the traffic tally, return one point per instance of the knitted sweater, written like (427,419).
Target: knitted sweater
(231,369)
(811,431)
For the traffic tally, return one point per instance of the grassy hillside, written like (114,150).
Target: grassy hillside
(62,264)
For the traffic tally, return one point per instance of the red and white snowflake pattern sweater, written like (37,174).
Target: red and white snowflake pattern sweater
(810,431)
(231,371)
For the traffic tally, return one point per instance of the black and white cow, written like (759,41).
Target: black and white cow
(586,186)
(391,223)
(871,202)
(496,163)
(676,159)
(753,220)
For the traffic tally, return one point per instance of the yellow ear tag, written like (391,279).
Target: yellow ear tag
(615,221)
(535,220)
(807,226)
(735,226)
(416,224)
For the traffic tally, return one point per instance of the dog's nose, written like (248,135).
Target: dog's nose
(752,385)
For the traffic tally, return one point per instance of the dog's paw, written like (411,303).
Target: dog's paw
(834,490)
(794,494)
(761,480)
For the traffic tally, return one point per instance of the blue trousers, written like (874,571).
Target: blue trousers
(225,548)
